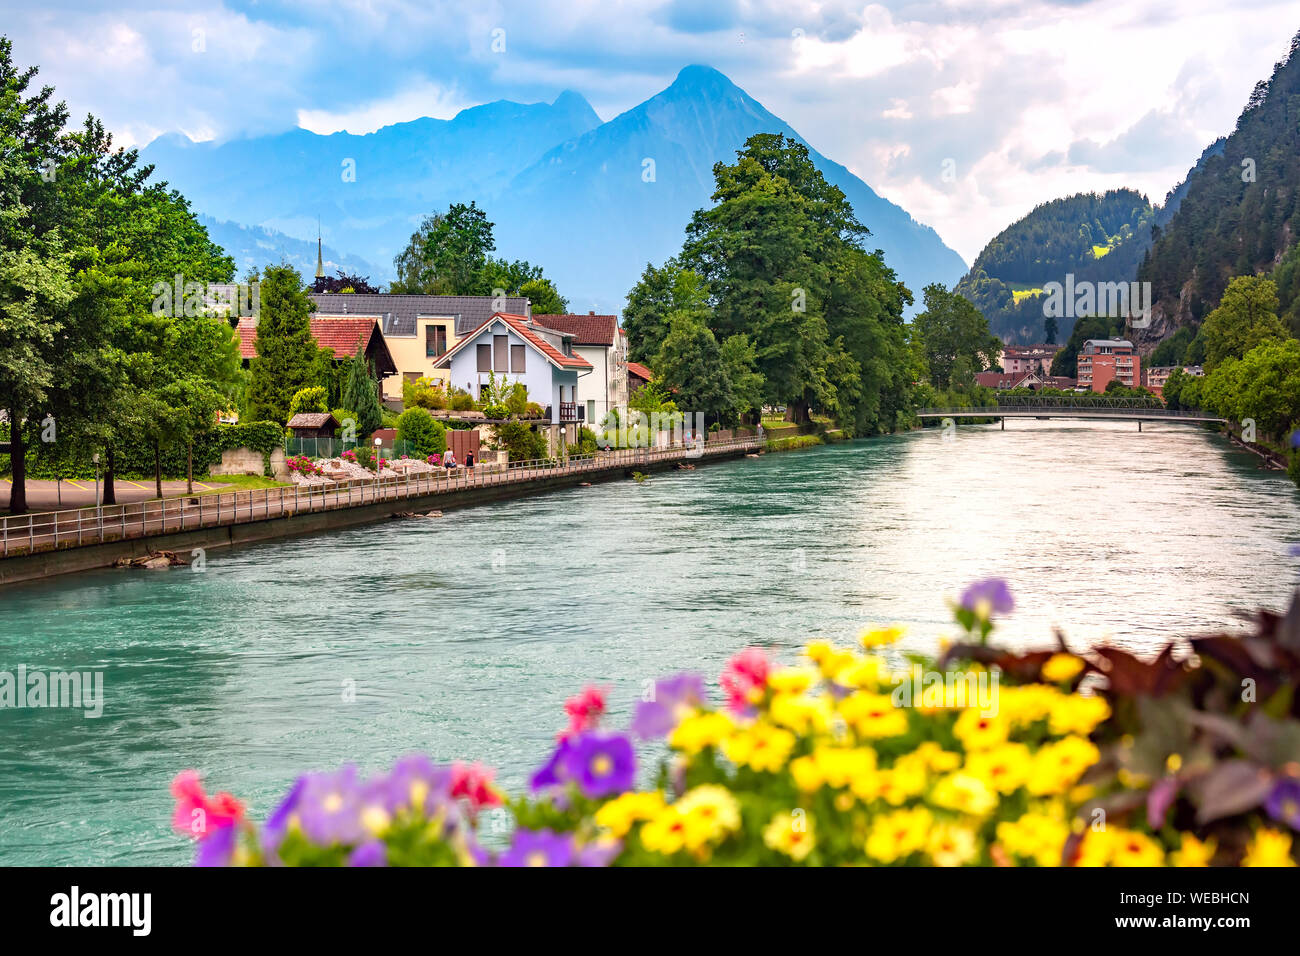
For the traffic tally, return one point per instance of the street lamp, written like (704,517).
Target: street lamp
(564,449)
(379,443)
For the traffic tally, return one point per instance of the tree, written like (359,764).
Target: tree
(314,398)
(343,282)
(1050,330)
(660,292)
(951,328)
(1245,317)
(286,350)
(690,364)
(738,362)
(418,427)
(447,254)
(544,297)
(360,393)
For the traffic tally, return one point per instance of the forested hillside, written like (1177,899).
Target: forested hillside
(1099,238)
(1240,214)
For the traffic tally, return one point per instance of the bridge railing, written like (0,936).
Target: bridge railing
(992,411)
(41,531)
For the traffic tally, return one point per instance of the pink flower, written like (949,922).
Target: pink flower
(197,814)
(584,710)
(744,678)
(474,783)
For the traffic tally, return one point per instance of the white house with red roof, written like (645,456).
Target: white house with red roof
(598,339)
(510,348)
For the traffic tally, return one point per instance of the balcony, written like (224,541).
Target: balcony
(569,412)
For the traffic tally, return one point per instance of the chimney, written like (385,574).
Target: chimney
(592,312)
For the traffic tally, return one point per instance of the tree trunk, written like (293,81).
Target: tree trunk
(189,468)
(110,496)
(797,412)
(18,463)
(157,468)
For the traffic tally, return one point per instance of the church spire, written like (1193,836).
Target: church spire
(320,260)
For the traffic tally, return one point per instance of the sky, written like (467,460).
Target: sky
(967,114)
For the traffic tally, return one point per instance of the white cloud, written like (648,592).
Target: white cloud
(421,99)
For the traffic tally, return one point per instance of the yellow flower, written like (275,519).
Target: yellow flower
(791,680)
(879,636)
(1035,836)
(1269,848)
(977,731)
(1061,668)
(620,814)
(700,730)
(760,747)
(951,845)
(800,713)
(873,715)
(1132,848)
(936,758)
(1193,852)
(1005,768)
(671,831)
(1058,766)
(865,672)
(895,836)
(1027,704)
(714,807)
(791,833)
(1076,714)
(964,792)
(829,658)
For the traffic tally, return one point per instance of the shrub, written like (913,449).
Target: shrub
(303,465)
(461,401)
(343,416)
(313,399)
(425,435)
(988,758)
(520,441)
(424,393)
(496,411)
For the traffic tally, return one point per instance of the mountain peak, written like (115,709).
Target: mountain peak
(570,101)
(699,78)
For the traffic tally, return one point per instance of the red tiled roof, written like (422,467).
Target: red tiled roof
(587,329)
(640,371)
(519,324)
(337,333)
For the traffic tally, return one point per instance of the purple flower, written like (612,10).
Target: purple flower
(330,807)
(553,772)
(601,764)
(988,597)
(538,848)
(370,853)
(1283,803)
(672,697)
(219,847)
(599,853)
(416,782)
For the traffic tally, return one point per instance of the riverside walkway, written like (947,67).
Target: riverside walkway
(159,519)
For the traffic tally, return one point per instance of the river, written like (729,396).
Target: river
(463,635)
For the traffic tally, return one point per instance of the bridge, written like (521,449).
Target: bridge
(1099,409)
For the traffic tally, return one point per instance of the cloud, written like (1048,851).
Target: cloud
(421,99)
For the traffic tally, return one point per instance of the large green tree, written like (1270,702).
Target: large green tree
(287,353)
(1245,317)
(690,364)
(953,335)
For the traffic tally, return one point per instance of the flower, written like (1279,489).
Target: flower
(1060,668)
(964,792)
(715,808)
(370,853)
(538,848)
(744,679)
(984,598)
(619,815)
(474,783)
(873,715)
(1193,852)
(1035,836)
(895,836)
(219,848)
(552,772)
(760,747)
(1058,766)
(1269,848)
(198,814)
(1005,767)
(791,833)
(584,710)
(601,764)
(1283,803)
(672,699)
(951,845)
(879,636)
(979,731)
(698,731)
(329,807)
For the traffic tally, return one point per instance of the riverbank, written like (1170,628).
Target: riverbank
(39,546)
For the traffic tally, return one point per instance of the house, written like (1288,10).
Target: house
(1019,359)
(1031,380)
(509,348)
(333,332)
(313,425)
(1103,360)
(419,329)
(1154,377)
(637,375)
(598,339)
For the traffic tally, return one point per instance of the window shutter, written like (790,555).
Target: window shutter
(500,353)
(485,358)
(517,358)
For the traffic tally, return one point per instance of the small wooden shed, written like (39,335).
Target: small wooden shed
(313,425)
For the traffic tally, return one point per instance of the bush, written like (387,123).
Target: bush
(425,435)
(461,401)
(984,757)
(314,399)
(496,411)
(522,443)
(424,393)
(586,443)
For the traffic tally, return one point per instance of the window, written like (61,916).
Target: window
(410,376)
(435,340)
(485,358)
(591,409)
(500,353)
(517,358)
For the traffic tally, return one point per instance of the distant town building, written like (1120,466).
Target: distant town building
(1103,360)
(1155,377)
(1031,380)
(1018,359)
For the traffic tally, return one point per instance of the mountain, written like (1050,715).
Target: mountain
(1095,238)
(253,247)
(1239,214)
(591,202)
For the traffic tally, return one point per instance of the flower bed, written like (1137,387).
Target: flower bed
(984,757)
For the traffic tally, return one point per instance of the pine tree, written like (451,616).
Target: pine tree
(286,350)
(360,394)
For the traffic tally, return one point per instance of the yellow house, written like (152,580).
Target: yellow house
(419,329)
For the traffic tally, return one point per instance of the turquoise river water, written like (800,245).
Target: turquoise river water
(462,636)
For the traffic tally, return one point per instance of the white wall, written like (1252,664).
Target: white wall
(540,377)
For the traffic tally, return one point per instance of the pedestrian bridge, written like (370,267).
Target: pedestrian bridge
(1102,409)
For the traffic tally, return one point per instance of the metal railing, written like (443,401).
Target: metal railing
(334,447)
(1098,408)
(50,530)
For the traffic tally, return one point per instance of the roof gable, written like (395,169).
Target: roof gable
(519,325)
